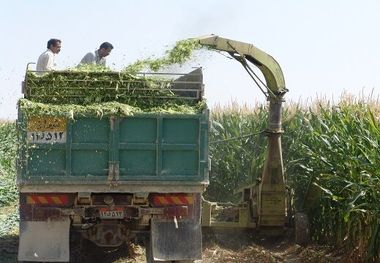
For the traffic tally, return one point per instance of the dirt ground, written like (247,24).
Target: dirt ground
(232,246)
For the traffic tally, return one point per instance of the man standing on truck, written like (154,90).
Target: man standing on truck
(46,61)
(99,56)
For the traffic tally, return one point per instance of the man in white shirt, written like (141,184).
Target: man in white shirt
(46,61)
(99,56)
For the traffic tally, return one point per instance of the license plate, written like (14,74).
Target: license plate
(48,130)
(116,213)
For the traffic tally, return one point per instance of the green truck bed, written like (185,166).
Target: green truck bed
(144,147)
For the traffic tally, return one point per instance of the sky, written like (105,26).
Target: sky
(325,48)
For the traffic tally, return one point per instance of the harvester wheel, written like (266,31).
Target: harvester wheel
(302,228)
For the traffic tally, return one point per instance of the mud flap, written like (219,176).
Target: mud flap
(44,241)
(181,241)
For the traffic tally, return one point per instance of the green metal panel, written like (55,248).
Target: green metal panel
(90,147)
(68,148)
(156,148)
(177,130)
(137,138)
(138,130)
(137,162)
(180,152)
(180,163)
(147,147)
(89,162)
(159,145)
(46,162)
(90,130)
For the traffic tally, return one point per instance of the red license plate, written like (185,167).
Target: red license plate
(115,213)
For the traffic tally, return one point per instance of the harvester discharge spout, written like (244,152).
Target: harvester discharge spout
(271,196)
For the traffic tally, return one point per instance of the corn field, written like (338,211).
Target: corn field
(331,157)
(8,147)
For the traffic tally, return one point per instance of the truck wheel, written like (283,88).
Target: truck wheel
(77,251)
(302,228)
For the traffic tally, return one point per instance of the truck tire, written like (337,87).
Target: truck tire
(302,228)
(77,247)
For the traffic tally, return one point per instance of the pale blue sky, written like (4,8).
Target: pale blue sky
(324,47)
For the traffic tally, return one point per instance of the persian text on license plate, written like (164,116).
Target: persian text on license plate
(116,213)
(46,130)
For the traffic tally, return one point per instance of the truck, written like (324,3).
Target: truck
(113,177)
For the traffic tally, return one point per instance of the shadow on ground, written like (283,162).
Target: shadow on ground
(8,248)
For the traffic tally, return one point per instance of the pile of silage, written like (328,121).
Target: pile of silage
(91,90)
(99,110)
